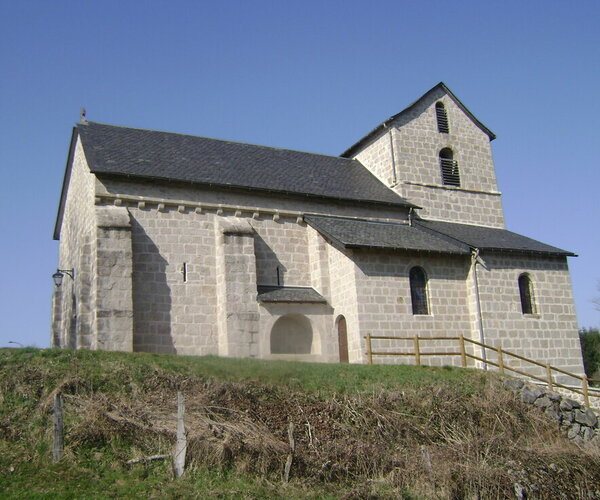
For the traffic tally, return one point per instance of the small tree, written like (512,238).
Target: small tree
(590,348)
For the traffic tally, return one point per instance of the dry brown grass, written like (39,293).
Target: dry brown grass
(436,443)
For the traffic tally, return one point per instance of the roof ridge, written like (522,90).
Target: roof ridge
(229,141)
(389,120)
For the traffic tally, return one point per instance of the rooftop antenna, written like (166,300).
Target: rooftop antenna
(82,115)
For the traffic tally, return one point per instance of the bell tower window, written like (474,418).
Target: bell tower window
(442,118)
(449,168)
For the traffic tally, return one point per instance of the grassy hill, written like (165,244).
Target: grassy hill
(360,431)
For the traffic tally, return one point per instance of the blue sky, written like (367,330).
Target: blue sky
(307,75)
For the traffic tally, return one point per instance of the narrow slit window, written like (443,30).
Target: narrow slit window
(449,168)
(526,293)
(442,118)
(184,272)
(418,291)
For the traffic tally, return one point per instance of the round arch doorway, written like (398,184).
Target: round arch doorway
(342,331)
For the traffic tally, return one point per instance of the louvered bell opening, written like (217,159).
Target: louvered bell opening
(442,118)
(450,174)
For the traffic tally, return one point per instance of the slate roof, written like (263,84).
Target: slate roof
(165,156)
(487,238)
(358,145)
(359,233)
(423,235)
(289,294)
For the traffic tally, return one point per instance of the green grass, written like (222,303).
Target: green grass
(101,370)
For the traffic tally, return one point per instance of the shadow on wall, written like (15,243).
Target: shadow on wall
(384,263)
(269,269)
(151,296)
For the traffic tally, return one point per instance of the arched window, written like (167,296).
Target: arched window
(442,118)
(526,292)
(418,291)
(449,167)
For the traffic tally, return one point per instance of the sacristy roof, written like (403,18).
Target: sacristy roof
(489,238)
(361,233)
(425,236)
(298,294)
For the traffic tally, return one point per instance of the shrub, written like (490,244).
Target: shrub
(590,348)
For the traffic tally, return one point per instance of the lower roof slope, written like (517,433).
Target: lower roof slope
(359,233)
(488,238)
(150,154)
(424,235)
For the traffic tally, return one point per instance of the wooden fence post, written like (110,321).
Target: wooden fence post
(290,457)
(500,360)
(181,445)
(417,351)
(549,375)
(463,353)
(59,430)
(584,386)
(369,351)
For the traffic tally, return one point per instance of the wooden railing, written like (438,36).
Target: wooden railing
(502,356)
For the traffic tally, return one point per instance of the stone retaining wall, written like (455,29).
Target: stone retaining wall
(580,423)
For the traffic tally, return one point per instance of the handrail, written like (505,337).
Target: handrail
(501,363)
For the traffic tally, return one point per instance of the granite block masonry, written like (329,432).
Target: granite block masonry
(174,239)
(579,423)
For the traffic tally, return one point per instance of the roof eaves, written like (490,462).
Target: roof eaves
(352,149)
(357,246)
(558,252)
(65,185)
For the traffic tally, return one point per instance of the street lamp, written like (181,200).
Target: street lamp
(60,274)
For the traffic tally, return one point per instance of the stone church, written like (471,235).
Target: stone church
(173,243)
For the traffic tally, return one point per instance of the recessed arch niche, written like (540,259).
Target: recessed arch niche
(292,334)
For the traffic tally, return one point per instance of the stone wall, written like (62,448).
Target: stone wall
(173,314)
(281,245)
(385,306)
(579,423)
(550,335)
(344,299)
(415,141)
(73,313)
(112,284)
(237,310)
